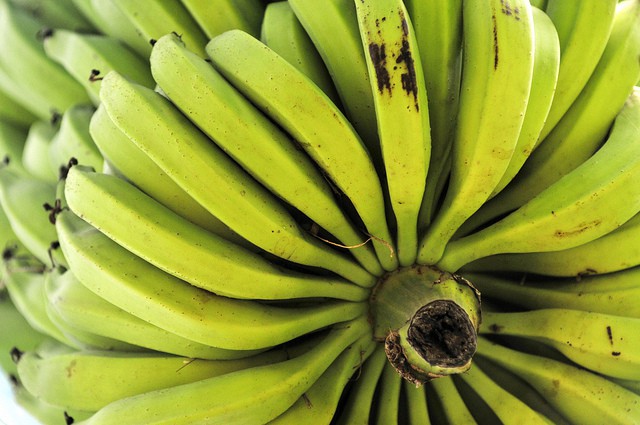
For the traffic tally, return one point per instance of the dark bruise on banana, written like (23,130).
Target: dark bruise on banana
(402,61)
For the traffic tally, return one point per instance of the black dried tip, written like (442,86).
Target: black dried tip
(16,354)
(53,210)
(44,33)
(55,117)
(93,76)
(9,252)
(13,380)
(52,247)
(177,35)
(5,161)
(68,419)
(152,41)
(63,172)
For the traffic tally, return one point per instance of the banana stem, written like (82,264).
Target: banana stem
(428,320)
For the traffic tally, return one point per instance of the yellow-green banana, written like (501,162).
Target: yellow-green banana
(402,112)
(253,395)
(217,16)
(387,406)
(316,124)
(579,395)
(143,290)
(416,402)
(225,190)
(283,33)
(453,408)
(496,80)
(35,155)
(589,202)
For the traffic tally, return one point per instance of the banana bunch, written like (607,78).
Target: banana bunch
(368,212)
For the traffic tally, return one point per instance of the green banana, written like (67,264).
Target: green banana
(134,165)
(417,409)
(546,65)
(74,141)
(179,244)
(386,409)
(610,293)
(584,27)
(402,115)
(44,82)
(357,407)
(25,285)
(496,81)
(226,190)
(22,197)
(35,153)
(218,16)
(319,403)
(87,57)
(586,124)
(141,289)
(612,252)
(603,343)
(254,395)
(581,396)
(317,125)
(336,23)
(61,14)
(453,408)
(12,110)
(507,407)
(153,20)
(89,380)
(438,28)
(12,140)
(283,33)
(589,202)
(259,146)
(81,308)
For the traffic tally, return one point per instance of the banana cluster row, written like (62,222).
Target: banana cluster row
(199,199)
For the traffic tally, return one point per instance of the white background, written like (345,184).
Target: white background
(10,413)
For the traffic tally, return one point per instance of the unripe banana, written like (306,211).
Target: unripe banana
(217,16)
(453,408)
(35,154)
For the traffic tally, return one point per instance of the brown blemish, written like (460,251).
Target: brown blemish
(495,41)
(495,328)
(409,78)
(610,335)
(615,353)
(583,227)
(379,59)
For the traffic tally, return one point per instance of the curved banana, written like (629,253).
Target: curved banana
(217,16)
(336,24)
(580,396)
(25,285)
(357,406)
(402,113)
(12,141)
(589,202)
(319,403)
(35,154)
(88,380)
(496,81)
(12,110)
(155,19)
(59,14)
(584,27)
(139,169)
(282,32)
(73,140)
(316,124)
(129,282)
(82,309)
(225,190)
(612,252)
(22,197)
(45,83)
(87,57)
(438,28)
(506,406)
(611,293)
(253,395)
(417,409)
(246,135)
(546,65)
(603,343)
(452,407)
(387,408)
(177,246)
(586,124)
